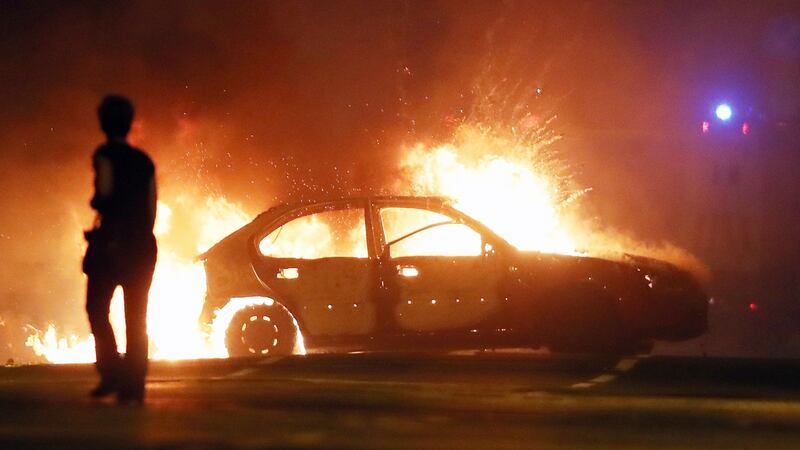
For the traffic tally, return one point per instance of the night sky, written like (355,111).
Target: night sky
(262,102)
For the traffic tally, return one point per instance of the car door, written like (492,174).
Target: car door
(438,272)
(317,263)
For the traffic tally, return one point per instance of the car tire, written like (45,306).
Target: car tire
(261,330)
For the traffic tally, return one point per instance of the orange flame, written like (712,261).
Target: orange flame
(501,181)
(176,295)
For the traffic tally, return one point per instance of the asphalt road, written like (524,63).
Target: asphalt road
(412,401)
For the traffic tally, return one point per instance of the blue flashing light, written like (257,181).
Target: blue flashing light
(723,112)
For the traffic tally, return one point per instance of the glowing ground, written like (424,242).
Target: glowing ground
(486,400)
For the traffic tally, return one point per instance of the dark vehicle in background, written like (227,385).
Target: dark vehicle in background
(400,273)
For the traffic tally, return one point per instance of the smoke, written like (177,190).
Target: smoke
(615,244)
(262,102)
(255,102)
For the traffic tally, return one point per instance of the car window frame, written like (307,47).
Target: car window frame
(315,208)
(382,249)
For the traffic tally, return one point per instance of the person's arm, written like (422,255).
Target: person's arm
(152,201)
(103,182)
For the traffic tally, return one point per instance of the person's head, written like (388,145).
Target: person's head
(116,115)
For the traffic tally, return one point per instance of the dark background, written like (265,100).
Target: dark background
(261,101)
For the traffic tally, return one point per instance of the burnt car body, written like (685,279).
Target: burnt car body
(378,275)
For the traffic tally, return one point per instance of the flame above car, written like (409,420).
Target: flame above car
(510,185)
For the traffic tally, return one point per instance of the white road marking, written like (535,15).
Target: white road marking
(623,365)
(626,364)
(604,378)
(242,373)
(535,394)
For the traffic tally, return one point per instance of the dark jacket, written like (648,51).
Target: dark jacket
(126,212)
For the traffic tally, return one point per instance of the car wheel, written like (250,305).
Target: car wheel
(261,330)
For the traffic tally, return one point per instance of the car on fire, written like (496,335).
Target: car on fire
(414,273)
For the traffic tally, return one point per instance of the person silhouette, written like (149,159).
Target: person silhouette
(121,251)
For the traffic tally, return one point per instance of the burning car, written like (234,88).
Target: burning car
(389,273)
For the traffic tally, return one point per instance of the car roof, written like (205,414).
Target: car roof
(274,212)
(373,198)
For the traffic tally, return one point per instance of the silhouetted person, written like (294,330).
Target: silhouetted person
(122,252)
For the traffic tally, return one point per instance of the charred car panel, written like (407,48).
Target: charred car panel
(496,295)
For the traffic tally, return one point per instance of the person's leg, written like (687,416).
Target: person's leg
(136,288)
(99,291)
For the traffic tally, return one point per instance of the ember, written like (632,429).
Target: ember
(507,182)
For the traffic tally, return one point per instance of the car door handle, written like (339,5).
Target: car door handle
(407,271)
(288,273)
